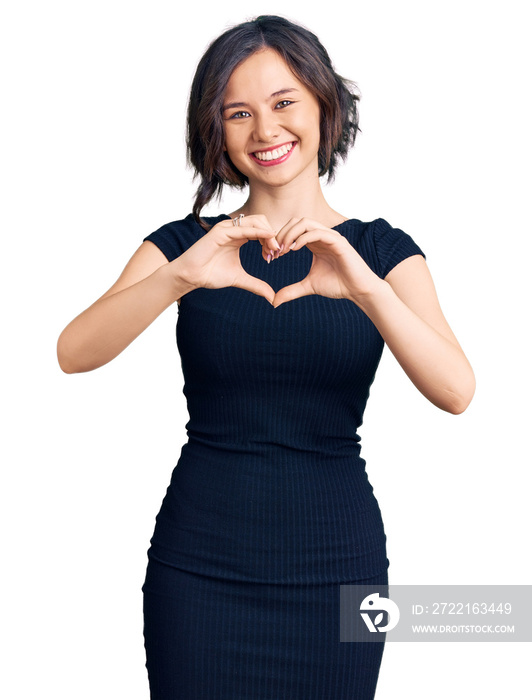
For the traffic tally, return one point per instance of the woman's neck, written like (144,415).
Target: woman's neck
(281,204)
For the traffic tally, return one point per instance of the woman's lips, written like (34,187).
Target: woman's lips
(277,161)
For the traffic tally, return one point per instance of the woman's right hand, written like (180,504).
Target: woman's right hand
(149,284)
(213,261)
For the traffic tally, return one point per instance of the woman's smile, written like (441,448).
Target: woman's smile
(274,155)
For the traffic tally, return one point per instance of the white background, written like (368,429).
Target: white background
(93,161)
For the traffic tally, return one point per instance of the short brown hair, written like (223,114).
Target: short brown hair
(310,62)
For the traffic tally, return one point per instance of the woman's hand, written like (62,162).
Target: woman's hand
(404,308)
(213,261)
(337,270)
(149,284)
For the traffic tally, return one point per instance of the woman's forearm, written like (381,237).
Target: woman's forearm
(436,365)
(102,331)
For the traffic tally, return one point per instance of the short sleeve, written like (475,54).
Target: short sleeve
(392,246)
(174,238)
(168,240)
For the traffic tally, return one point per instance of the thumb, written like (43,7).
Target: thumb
(293,291)
(257,286)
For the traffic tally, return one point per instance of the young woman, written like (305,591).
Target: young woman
(284,308)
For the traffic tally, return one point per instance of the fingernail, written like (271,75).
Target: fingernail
(274,242)
(282,248)
(292,246)
(268,258)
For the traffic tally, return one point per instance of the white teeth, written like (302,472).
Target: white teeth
(273,155)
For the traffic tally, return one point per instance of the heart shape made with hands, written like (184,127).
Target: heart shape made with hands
(326,273)
(260,286)
(335,271)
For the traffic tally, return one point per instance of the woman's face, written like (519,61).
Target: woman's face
(271,122)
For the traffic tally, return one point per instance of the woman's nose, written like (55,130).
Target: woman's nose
(265,127)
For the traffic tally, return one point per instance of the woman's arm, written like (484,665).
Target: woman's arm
(149,284)
(146,287)
(404,308)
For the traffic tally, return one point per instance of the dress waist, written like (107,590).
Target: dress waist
(270,514)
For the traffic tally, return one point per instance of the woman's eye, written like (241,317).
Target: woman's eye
(239,115)
(283,103)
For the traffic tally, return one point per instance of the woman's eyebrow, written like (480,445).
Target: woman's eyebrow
(233,105)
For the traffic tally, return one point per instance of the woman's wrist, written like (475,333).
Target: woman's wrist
(176,275)
(369,298)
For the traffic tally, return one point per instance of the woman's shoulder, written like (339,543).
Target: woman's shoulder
(174,237)
(380,244)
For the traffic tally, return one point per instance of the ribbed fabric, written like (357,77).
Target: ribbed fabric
(269,508)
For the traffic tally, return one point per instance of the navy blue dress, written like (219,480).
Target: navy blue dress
(269,508)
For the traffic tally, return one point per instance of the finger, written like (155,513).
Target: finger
(284,232)
(259,220)
(271,251)
(295,228)
(328,238)
(255,220)
(250,233)
(253,284)
(270,247)
(293,291)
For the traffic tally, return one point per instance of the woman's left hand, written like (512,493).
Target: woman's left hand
(337,270)
(403,307)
